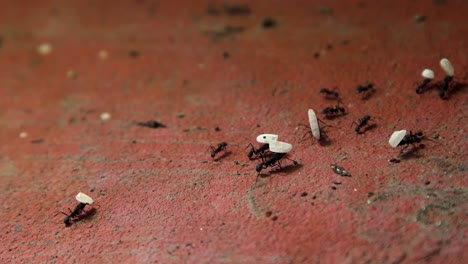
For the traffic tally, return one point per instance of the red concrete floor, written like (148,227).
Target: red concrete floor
(197,65)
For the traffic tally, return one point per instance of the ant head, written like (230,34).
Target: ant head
(419,133)
(213,154)
(223,144)
(323,90)
(259,167)
(67,221)
(366,117)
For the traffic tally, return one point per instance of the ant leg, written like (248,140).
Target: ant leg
(295,162)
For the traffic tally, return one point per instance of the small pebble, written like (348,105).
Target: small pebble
(23,135)
(71,74)
(44,49)
(103,54)
(105,116)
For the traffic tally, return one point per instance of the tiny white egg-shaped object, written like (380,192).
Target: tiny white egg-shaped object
(447,66)
(84,198)
(427,74)
(280,147)
(396,138)
(105,116)
(267,138)
(314,126)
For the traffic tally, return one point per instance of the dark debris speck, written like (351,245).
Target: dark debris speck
(37,140)
(274,218)
(304,194)
(134,53)
(268,213)
(269,23)
(151,124)
(418,18)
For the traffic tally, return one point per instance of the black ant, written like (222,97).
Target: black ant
(69,217)
(330,94)
(366,90)
(361,123)
(273,161)
(258,151)
(333,111)
(221,147)
(423,86)
(445,86)
(411,139)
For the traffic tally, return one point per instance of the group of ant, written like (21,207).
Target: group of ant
(444,86)
(270,155)
(332,112)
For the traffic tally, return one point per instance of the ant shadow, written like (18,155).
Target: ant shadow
(332,117)
(86,215)
(225,155)
(284,169)
(412,153)
(368,128)
(455,88)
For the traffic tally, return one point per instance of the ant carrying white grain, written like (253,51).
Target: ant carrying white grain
(428,75)
(449,71)
(399,138)
(316,131)
(74,215)
(279,150)
(265,139)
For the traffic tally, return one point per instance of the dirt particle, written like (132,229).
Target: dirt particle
(274,218)
(151,124)
(226,55)
(134,54)
(37,140)
(316,55)
(304,194)
(325,10)
(268,213)
(394,160)
(418,18)
(217,129)
(236,10)
(345,42)
(370,194)
(180,115)
(427,182)
(333,187)
(268,23)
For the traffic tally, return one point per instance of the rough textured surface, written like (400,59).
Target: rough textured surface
(159,197)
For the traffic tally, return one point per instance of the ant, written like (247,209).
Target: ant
(69,217)
(221,147)
(333,111)
(411,139)
(258,151)
(445,86)
(423,86)
(330,94)
(428,75)
(361,123)
(273,161)
(366,90)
